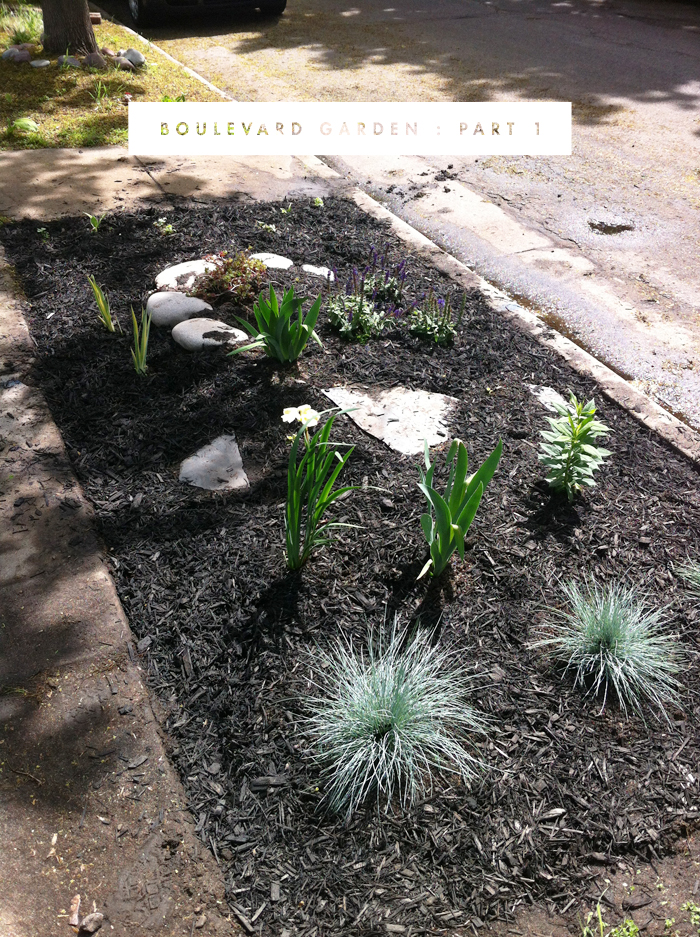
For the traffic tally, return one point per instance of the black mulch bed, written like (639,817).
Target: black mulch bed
(222,627)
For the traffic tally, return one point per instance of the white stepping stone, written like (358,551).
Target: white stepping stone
(40,63)
(323,272)
(182,276)
(401,418)
(276,261)
(197,334)
(216,467)
(171,308)
(547,396)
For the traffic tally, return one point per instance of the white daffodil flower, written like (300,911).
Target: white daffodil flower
(290,415)
(308,416)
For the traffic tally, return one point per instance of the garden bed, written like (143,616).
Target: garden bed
(224,630)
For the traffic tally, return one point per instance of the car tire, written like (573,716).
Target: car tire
(273,7)
(142,13)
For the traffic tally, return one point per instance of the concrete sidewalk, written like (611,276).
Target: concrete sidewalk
(89,803)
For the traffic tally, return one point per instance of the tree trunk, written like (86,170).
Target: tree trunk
(67,27)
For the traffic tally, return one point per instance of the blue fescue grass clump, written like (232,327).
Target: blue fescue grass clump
(690,574)
(613,642)
(387,718)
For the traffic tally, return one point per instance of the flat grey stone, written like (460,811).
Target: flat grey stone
(323,272)
(20,56)
(9,53)
(182,276)
(94,60)
(197,334)
(547,396)
(40,63)
(170,308)
(275,261)
(122,63)
(69,61)
(401,418)
(215,467)
(134,56)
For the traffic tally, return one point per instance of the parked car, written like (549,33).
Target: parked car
(150,12)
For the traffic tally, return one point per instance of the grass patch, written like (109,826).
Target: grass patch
(79,107)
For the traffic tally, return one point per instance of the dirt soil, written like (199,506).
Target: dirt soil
(571,793)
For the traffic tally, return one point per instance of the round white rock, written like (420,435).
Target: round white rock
(170,308)
(197,334)
(182,276)
(275,261)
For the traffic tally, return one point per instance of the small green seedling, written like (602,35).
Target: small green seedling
(23,125)
(139,352)
(95,220)
(103,310)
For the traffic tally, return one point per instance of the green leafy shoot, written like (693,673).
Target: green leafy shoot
(23,125)
(690,573)
(166,99)
(590,930)
(434,319)
(103,310)
(310,481)
(385,720)
(318,202)
(139,352)
(452,513)
(612,641)
(282,329)
(569,451)
(163,226)
(95,220)
(99,93)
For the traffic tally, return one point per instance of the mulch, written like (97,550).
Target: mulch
(226,633)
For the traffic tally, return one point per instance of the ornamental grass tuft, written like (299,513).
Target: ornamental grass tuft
(387,718)
(615,643)
(690,573)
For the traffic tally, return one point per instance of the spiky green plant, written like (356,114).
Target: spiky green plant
(103,310)
(433,318)
(690,573)
(613,641)
(385,719)
(568,451)
(139,352)
(281,330)
(451,514)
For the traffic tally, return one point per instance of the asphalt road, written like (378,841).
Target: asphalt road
(611,233)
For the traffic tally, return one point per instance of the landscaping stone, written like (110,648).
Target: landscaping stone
(9,54)
(134,56)
(170,308)
(94,60)
(401,418)
(68,61)
(198,334)
(547,396)
(122,63)
(105,50)
(275,261)
(323,272)
(18,56)
(216,467)
(182,276)
(40,63)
